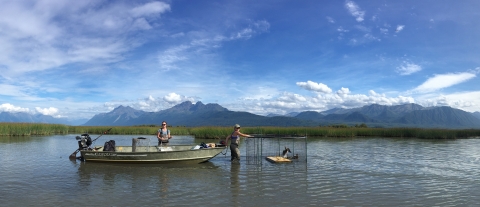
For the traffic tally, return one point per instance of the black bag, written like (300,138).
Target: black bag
(89,141)
(109,146)
(203,145)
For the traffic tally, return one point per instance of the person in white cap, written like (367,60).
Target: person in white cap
(235,139)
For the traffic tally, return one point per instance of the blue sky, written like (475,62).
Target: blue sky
(76,59)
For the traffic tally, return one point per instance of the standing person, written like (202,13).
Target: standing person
(235,140)
(163,134)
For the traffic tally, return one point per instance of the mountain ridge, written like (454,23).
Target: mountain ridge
(407,115)
(199,114)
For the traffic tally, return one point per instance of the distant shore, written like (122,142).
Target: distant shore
(214,132)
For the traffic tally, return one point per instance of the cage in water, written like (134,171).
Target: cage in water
(276,149)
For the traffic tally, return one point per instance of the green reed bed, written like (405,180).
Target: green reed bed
(28,129)
(211,132)
(220,132)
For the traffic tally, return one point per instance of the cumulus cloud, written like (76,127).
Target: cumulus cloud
(440,81)
(408,68)
(173,98)
(291,97)
(150,98)
(343,98)
(6,107)
(51,111)
(467,101)
(355,10)
(317,87)
(399,28)
(343,92)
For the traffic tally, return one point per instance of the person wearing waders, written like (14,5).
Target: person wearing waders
(235,140)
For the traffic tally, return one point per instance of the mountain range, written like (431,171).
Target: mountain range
(199,114)
(189,114)
(37,118)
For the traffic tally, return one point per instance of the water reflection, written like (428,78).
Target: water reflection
(18,139)
(235,182)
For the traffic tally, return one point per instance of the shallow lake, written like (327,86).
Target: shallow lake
(36,171)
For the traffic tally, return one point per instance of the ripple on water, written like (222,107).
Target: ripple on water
(339,172)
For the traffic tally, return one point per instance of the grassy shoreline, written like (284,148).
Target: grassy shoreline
(28,129)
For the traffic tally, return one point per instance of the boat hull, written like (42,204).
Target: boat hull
(170,154)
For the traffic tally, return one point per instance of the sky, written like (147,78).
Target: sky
(76,59)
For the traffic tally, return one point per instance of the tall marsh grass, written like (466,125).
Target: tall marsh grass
(27,129)
(220,132)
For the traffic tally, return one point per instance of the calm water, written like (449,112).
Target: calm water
(36,171)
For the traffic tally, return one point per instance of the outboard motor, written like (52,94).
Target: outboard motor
(84,141)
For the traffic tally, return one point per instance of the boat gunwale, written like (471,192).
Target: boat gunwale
(210,148)
(97,156)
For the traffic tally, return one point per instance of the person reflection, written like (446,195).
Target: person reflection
(164,187)
(234,182)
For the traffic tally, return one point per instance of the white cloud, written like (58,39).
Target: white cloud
(87,32)
(150,98)
(11,90)
(340,29)
(354,10)
(173,98)
(51,111)
(6,107)
(317,87)
(255,28)
(370,37)
(384,30)
(289,102)
(168,59)
(438,82)
(343,92)
(468,101)
(330,19)
(141,23)
(399,28)
(171,58)
(152,8)
(408,68)
(291,98)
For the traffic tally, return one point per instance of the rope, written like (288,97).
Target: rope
(226,150)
